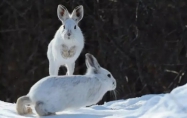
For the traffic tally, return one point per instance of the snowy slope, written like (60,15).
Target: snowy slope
(172,105)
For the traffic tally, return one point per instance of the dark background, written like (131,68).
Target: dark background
(143,43)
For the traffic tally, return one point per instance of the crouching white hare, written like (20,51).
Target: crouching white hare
(68,42)
(58,93)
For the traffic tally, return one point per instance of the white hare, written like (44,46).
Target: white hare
(68,42)
(58,93)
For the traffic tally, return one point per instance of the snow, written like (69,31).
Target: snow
(171,105)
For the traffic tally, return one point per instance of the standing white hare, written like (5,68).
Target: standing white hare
(68,42)
(58,93)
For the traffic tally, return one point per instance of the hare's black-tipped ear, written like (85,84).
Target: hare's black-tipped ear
(78,13)
(62,13)
(91,61)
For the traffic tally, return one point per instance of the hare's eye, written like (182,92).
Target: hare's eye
(64,26)
(109,75)
(75,27)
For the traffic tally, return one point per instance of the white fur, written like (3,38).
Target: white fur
(58,93)
(54,52)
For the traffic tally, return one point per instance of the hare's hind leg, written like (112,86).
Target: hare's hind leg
(53,68)
(70,68)
(41,110)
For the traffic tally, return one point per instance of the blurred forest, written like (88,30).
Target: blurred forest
(143,43)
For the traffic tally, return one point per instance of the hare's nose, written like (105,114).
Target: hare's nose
(113,83)
(69,34)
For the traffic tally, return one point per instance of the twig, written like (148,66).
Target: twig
(178,75)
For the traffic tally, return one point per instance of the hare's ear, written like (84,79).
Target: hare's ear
(87,64)
(62,13)
(91,61)
(78,13)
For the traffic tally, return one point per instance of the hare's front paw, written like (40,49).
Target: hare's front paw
(64,51)
(65,54)
(72,51)
(64,47)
